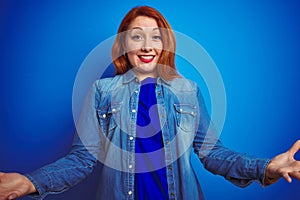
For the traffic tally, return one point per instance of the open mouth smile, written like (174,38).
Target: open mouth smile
(146,58)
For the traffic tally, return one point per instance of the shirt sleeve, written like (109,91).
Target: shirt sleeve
(79,163)
(240,169)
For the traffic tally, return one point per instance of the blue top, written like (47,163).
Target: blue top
(151,184)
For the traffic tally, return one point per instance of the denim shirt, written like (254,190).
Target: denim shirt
(106,132)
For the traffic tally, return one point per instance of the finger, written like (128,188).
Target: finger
(1,173)
(296,175)
(12,196)
(295,147)
(287,177)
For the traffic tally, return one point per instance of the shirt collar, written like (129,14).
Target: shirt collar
(130,76)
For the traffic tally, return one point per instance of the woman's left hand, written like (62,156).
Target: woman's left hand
(284,165)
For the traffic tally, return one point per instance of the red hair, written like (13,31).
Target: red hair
(166,63)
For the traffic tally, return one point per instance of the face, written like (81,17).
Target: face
(143,45)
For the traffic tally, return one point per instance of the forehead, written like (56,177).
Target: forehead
(143,21)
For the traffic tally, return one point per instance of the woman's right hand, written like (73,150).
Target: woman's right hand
(14,185)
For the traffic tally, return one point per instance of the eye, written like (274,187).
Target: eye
(136,37)
(156,37)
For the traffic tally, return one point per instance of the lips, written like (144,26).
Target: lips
(146,58)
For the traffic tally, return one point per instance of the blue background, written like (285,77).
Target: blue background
(255,45)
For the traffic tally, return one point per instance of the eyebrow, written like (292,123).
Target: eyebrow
(154,29)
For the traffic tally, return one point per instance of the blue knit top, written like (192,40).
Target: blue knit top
(151,184)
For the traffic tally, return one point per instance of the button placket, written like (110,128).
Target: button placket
(131,137)
(167,143)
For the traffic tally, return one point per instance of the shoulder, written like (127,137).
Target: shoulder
(108,84)
(182,84)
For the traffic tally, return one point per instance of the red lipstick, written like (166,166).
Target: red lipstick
(146,58)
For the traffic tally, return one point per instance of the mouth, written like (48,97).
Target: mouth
(146,58)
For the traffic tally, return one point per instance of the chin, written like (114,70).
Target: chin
(146,69)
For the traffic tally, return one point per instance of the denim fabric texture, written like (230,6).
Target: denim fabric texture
(106,133)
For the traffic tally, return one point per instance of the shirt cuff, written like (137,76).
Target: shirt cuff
(39,179)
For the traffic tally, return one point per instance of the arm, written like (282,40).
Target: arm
(53,178)
(240,169)
(65,172)
(80,162)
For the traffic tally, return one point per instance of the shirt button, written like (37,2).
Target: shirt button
(136,91)
(104,116)
(130,138)
(130,192)
(159,92)
(113,110)
(133,110)
(130,166)
(167,142)
(172,194)
(169,167)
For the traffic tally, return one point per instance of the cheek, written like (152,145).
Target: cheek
(159,51)
(132,46)
(132,57)
(159,46)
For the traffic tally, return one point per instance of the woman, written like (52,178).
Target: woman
(141,125)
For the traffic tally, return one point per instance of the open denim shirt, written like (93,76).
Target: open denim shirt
(106,132)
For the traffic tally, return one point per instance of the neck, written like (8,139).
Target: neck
(142,76)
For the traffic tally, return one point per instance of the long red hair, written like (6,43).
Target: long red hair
(166,63)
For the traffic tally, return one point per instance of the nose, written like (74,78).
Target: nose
(146,49)
(147,46)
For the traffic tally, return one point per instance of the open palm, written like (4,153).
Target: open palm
(284,165)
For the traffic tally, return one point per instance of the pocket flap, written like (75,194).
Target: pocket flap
(185,109)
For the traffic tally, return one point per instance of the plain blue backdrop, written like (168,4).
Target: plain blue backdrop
(255,45)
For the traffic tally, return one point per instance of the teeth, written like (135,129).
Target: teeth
(147,57)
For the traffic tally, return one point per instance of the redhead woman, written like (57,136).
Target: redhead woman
(142,126)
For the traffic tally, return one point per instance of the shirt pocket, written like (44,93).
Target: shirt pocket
(108,118)
(185,116)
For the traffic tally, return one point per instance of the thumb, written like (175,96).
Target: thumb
(12,196)
(295,148)
(1,173)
